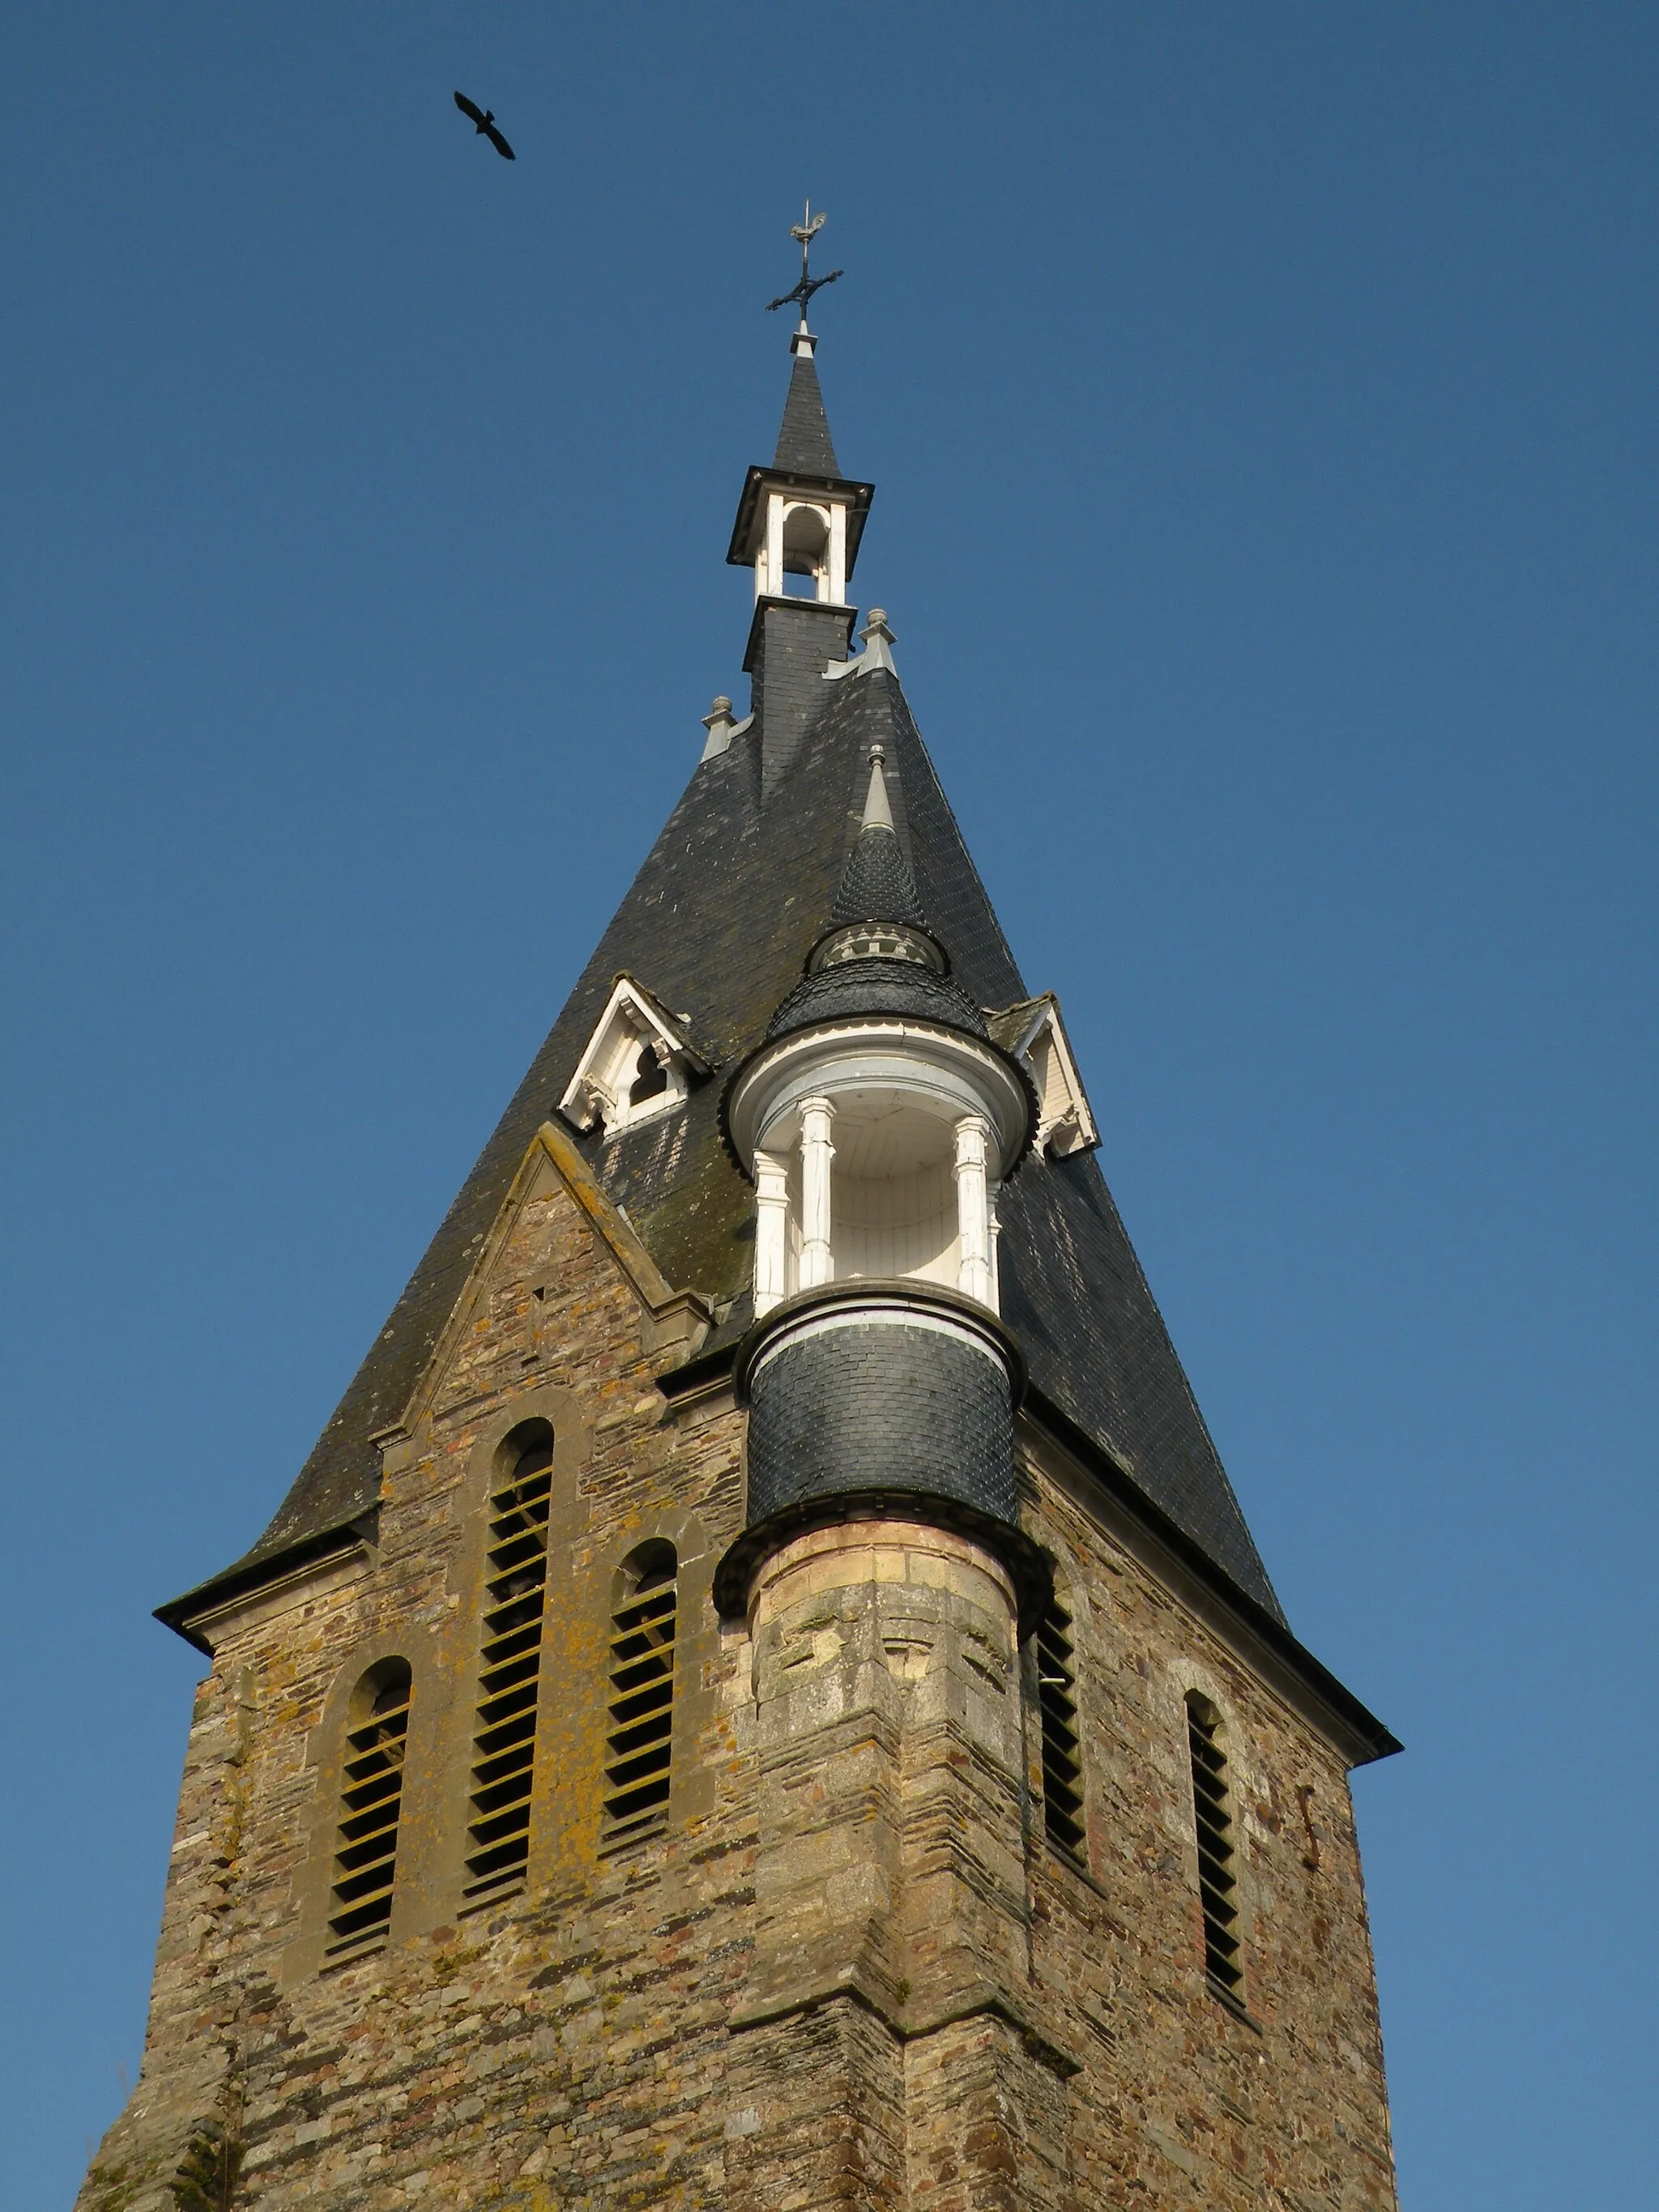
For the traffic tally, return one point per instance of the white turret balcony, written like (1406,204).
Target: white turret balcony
(877,1149)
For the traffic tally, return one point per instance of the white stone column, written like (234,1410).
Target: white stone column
(817,1261)
(837,593)
(995,1301)
(771,1232)
(973,1210)
(775,545)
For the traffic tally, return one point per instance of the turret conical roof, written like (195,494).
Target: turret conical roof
(877,884)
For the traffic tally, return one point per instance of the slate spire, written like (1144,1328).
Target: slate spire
(805,445)
(877,884)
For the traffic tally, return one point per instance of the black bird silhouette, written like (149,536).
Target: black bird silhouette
(485,118)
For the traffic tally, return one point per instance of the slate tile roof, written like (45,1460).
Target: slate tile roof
(718,925)
(901,987)
(805,445)
(878,885)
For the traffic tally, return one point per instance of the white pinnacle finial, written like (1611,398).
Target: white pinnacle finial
(877,814)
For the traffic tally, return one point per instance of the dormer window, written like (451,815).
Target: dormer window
(1032,1029)
(639,1062)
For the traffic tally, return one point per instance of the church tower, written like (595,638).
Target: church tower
(762,1696)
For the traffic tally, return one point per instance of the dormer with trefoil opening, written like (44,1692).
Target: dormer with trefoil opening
(639,1062)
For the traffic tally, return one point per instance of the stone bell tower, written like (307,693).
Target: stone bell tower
(762,1696)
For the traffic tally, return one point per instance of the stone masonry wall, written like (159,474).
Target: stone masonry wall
(1017,2030)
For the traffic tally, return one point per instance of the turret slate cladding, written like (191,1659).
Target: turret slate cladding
(900,987)
(876,1399)
(719,923)
(878,885)
(872,1407)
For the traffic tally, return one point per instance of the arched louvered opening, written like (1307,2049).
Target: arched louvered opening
(639,1740)
(1212,1816)
(371,1804)
(1062,1755)
(510,1661)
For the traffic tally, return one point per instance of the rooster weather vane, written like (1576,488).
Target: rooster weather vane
(806,231)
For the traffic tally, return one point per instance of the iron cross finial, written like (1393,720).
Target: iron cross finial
(806,230)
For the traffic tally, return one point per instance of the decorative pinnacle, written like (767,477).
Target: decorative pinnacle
(806,230)
(878,813)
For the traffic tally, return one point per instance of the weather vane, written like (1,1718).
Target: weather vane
(806,230)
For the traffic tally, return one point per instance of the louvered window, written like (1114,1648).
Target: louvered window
(1062,1759)
(1213,1815)
(371,1801)
(639,1739)
(509,1671)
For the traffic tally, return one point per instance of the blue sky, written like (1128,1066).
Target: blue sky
(1259,400)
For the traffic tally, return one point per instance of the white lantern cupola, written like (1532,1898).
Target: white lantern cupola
(801,518)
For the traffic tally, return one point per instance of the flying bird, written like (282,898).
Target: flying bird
(485,118)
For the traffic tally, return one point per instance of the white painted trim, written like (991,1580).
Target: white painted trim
(876,655)
(948,1074)
(771,1232)
(889,1313)
(973,1277)
(1066,1123)
(817,1263)
(721,730)
(775,544)
(599,1090)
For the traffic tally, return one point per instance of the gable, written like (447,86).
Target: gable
(558,1245)
(1034,1033)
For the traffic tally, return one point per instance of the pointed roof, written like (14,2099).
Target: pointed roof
(876,884)
(805,445)
(879,956)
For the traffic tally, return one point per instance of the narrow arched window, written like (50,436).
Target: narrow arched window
(639,1738)
(1212,1818)
(510,1663)
(371,1804)
(1062,1757)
